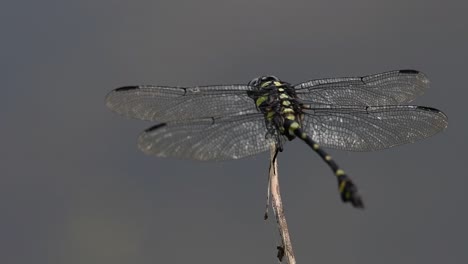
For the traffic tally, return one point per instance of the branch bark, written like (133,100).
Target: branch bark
(285,250)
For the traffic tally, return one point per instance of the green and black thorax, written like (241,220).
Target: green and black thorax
(278,101)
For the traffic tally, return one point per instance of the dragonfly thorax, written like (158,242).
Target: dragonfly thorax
(277,100)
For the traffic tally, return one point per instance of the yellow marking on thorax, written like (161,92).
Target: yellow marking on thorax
(277,83)
(286,103)
(290,117)
(261,99)
(283,96)
(270,115)
(280,90)
(265,84)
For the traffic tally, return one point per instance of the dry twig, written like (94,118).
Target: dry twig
(285,250)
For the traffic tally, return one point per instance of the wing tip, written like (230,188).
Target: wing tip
(420,76)
(441,114)
(110,97)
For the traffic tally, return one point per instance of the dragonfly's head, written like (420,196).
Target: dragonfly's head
(261,82)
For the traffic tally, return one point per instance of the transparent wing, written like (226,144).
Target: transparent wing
(388,88)
(163,104)
(208,139)
(372,128)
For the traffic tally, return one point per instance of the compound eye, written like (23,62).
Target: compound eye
(270,78)
(254,82)
(263,79)
(273,78)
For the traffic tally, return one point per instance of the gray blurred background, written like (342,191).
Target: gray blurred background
(74,188)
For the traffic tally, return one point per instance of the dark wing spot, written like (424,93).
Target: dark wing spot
(126,88)
(409,71)
(155,127)
(430,109)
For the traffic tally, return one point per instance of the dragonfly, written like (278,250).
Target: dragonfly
(224,122)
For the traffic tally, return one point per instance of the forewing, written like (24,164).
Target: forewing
(372,128)
(164,104)
(388,88)
(208,139)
